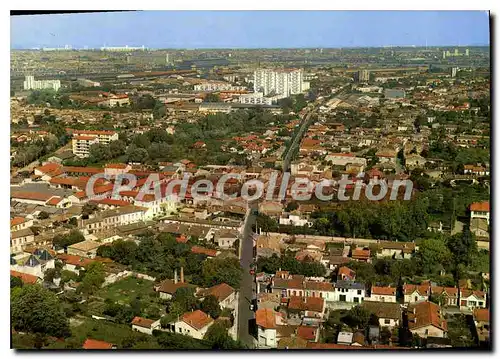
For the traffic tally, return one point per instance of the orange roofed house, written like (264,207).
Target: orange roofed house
(97,344)
(427,320)
(194,324)
(268,322)
(144,325)
(480,210)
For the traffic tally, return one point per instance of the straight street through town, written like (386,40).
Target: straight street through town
(245,314)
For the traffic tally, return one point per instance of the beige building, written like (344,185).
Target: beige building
(84,249)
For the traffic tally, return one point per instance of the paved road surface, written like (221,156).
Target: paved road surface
(247,283)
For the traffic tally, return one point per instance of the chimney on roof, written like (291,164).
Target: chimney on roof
(182,274)
(175,276)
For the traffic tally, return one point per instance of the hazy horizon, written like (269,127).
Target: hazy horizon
(288,29)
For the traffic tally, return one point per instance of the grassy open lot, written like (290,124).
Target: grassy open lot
(127,290)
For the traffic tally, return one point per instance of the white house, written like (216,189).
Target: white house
(144,325)
(416,293)
(294,220)
(194,324)
(480,210)
(388,314)
(383,294)
(349,291)
(268,321)
(224,293)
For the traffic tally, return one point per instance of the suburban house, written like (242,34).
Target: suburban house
(349,291)
(167,287)
(35,263)
(388,314)
(18,223)
(97,344)
(114,217)
(73,263)
(427,320)
(383,294)
(481,318)
(480,210)
(224,293)
(225,238)
(396,250)
(268,321)
(25,277)
(361,255)
(310,309)
(21,238)
(144,325)
(345,273)
(194,324)
(85,248)
(416,293)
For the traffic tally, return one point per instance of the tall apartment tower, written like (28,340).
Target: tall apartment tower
(283,83)
(454,71)
(466,52)
(444,54)
(364,76)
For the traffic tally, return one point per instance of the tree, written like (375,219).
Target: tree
(43,215)
(15,282)
(93,278)
(218,338)
(135,154)
(88,209)
(99,152)
(38,310)
(210,305)
(292,206)
(357,318)
(185,296)
(63,241)
(463,248)
(212,97)
(217,271)
(433,253)
(117,148)
(50,274)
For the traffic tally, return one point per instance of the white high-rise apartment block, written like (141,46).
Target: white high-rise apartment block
(31,84)
(83,139)
(279,82)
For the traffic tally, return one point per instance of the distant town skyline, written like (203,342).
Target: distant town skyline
(252,29)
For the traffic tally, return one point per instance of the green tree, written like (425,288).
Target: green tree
(93,278)
(63,241)
(43,215)
(357,318)
(463,248)
(210,305)
(217,271)
(37,310)
(117,148)
(218,338)
(212,97)
(99,152)
(433,254)
(15,282)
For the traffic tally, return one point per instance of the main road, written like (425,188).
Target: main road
(246,293)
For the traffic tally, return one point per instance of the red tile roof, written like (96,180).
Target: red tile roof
(266,318)
(54,201)
(142,322)
(348,272)
(74,260)
(361,253)
(426,313)
(16,221)
(96,344)
(314,304)
(26,278)
(480,207)
(197,319)
(220,291)
(49,167)
(422,289)
(202,250)
(306,332)
(482,315)
(35,196)
(383,290)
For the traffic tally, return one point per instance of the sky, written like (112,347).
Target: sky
(252,29)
